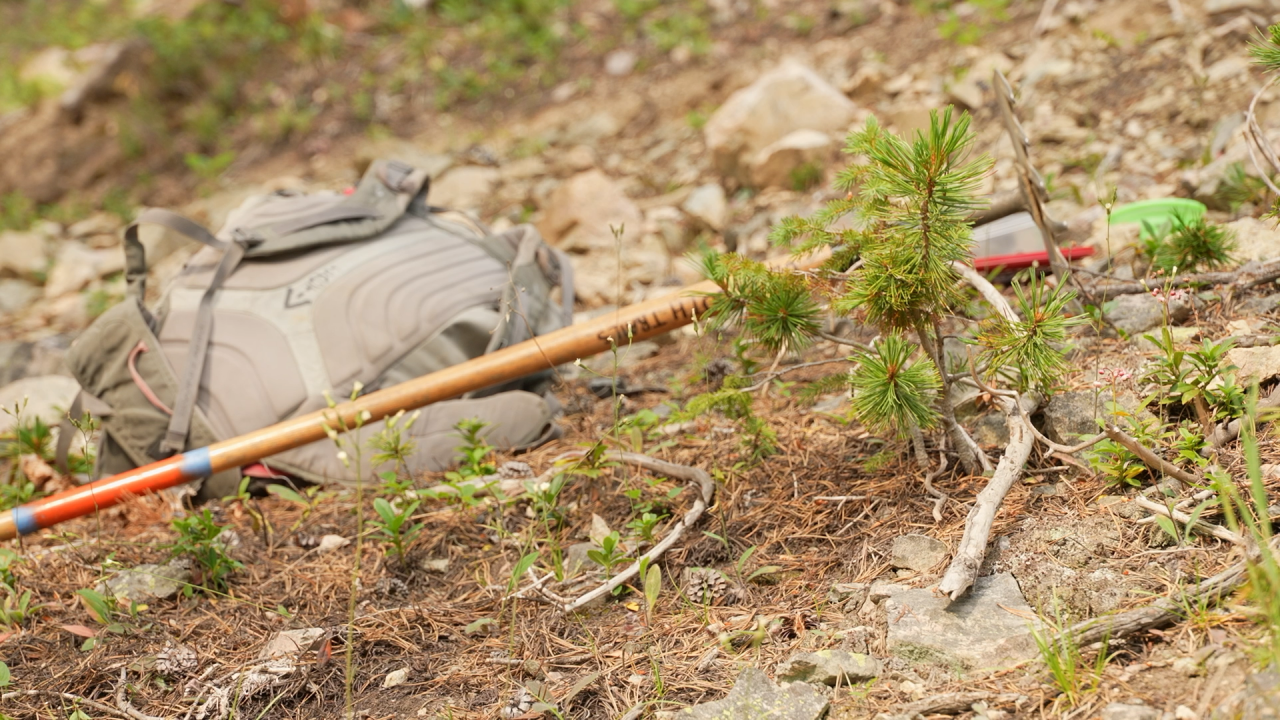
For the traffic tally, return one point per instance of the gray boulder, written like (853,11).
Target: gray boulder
(1141,312)
(1070,415)
(755,697)
(829,667)
(986,629)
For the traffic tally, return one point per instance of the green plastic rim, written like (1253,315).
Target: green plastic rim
(1157,210)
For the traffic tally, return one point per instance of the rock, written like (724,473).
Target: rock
(985,629)
(856,13)
(16,295)
(1181,336)
(828,667)
(709,205)
(290,642)
(1255,240)
(76,266)
(147,582)
(1141,312)
(1214,7)
(1260,363)
(775,164)
(436,565)
(1260,305)
(96,224)
(1071,415)
(434,164)
(849,596)
(789,98)
(918,552)
(176,660)
(1125,711)
(1262,694)
(395,677)
(578,158)
(102,63)
(581,210)
(620,62)
(52,67)
(592,129)
(47,397)
(755,697)
(329,543)
(23,253)
(464,188)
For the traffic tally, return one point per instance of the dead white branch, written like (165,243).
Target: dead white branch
(1150,459)
(963,569)
(1174,514)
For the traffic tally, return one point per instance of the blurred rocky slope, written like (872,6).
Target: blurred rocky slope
(681,125)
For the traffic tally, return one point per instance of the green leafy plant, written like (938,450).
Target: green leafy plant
(199,538)
(1199,379)
(474,450)
(8,559)
(16,608)
(395,525)
(645,525)
(308,497)
(609,555)
(392,443)
(652,587)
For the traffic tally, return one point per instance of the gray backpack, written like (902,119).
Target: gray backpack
(299,295)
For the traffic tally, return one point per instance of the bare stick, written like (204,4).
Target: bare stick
(1046,15)
(1226,432)
(100,707)
(977,526)
(706,490)
(956,703)
(963,569)
(123,703)
(1167,610)
(1215,530)
(1150,459)
(941,497)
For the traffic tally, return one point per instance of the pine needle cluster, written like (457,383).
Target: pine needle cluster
(1192,245)
(1031,346)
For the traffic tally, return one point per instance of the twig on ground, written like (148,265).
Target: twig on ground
(1166,611)
(940,497)
(771,375)
(1174,514)
(69,697)
(1150,459)
(843,341)
(695,476)
(122,702)
(1046,15)
(1250,275)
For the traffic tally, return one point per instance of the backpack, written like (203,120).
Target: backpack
(300,297)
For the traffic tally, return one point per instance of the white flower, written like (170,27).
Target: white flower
(365,416)
(355,389)
(346,461)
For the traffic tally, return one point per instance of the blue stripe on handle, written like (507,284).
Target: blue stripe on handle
(25,520)
(196,463)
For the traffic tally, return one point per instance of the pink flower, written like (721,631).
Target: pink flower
(1109,376)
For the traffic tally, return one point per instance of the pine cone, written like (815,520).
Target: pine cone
(391,587)
(519,704)
(515,470)
(708,586)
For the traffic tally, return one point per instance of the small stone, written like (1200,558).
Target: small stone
(620,62)
(1182,712)
(96,224)
(579,158)
(1255,240)
(1126,711)
(789,98)
(23,253)
(1260,305)
(918,552)
(290,642)
(395,677)
(329,543)
(1072,415)
(776,164)
(464,188)
(76,266)
(755,697)
(1138,313)
(708,204)
(46,397)
(1256,363)
(147,582)
(828,667)
(16,295)
(436,565)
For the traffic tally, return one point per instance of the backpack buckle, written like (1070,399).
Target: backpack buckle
(393,174)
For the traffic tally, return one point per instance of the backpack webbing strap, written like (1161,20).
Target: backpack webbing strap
(175,439)
(566,284)
(135,254)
